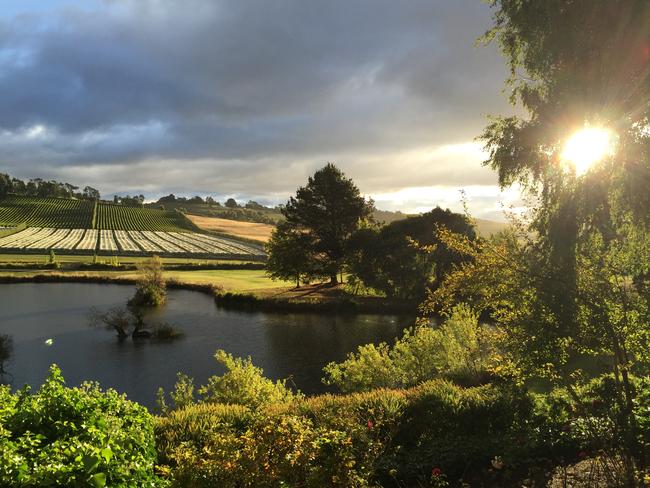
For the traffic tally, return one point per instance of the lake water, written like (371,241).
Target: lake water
(295,346)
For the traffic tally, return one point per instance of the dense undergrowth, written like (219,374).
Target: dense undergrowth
(243,430)
(377,438)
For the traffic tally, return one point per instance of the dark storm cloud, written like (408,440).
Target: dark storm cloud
(254,84)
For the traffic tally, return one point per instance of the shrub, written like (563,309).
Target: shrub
(460,430)
(584,420)
(241,384)
(377,438)
(151,288)
(460,349)
(167,332)
(74,437)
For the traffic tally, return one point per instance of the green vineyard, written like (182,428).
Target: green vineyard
(68,213)
(63,213)
(117,217)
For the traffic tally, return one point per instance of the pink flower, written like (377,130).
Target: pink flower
(436,472)
(370,424)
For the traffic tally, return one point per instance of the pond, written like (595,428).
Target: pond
(294,346)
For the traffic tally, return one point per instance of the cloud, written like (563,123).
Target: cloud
(248,97)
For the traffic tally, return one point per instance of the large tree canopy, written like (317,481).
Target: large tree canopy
(571,63)
(329,208)
(576,283)
(290,254)
(405,258)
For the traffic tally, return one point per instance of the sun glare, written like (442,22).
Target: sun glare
(586,147)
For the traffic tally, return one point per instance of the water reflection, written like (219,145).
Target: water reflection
(284,345)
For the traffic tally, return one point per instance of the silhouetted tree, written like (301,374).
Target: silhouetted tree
(231,203)
(91,193)
(405,258)
(169,198)
(329,209)
(290,255)
(6,184)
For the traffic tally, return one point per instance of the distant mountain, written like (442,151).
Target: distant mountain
(386,216)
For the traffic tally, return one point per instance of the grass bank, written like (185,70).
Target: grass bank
(289,302)
(235,289)
(239,280)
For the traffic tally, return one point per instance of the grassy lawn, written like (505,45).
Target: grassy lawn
(239,280)
(232,280)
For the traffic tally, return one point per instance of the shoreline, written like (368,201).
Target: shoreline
(242,301)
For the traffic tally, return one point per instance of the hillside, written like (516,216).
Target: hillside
(246,230)
(486,228)
(46,212)
(118,217)
(72,213)
(263,215)
(204,217)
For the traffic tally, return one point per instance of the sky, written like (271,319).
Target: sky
(248,98)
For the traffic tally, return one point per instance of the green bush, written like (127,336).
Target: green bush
(376,438)
(243,384)
(460,430)
(460,349)
(151,287)
(585,420)
(74,437)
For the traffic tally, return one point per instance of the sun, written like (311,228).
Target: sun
(586,147)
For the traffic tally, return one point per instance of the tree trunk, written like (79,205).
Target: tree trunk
(333,279)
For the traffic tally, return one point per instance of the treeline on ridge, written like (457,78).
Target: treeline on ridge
(38,187)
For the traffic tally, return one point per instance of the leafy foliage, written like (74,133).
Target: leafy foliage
(290,254)
(404,258)
(241,384)
(575,285)
(74,437)
(151,288)
(378,438)
(460,349)
(328,209)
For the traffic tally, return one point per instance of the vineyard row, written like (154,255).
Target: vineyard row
(130,242)
(67,213)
